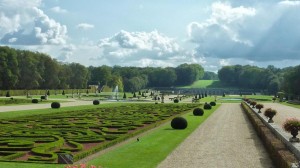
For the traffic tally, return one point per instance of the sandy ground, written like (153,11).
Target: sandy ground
(283,112)
(225,139)
(42,106)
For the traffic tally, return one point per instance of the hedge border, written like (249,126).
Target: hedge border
(282,157)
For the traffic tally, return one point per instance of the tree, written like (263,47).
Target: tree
(79,76)
(8,68)
(188,73)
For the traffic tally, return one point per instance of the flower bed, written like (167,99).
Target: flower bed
(80,133)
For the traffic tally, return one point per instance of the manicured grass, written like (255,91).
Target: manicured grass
(152,148)
(221,99)
(206,84)
(292,105)
(201,84)
(32,112)
(12,114)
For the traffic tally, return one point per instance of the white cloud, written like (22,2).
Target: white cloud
(249,33)
(221,26)
(85,26)
(142,49)
(25,24)
(66,52)
(58,9)
(224,62)
(289,3)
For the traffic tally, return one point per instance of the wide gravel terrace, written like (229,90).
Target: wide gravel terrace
(226,139)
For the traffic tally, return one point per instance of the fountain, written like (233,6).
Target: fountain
(115,93)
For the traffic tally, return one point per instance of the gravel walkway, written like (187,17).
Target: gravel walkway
(42,106)
(283,112)
(226,139)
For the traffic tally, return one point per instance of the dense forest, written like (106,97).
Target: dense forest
(21,69)
(270,79)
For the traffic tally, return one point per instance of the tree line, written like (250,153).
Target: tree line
(270,79)
(21,69)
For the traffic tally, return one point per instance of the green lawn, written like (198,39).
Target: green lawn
(152,148)
(230,98)
(206,84)
(292,105)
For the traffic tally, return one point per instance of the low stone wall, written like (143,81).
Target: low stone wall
(277,148)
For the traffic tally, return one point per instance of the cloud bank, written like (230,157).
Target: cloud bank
(260,32)
(141,49)
(23,23)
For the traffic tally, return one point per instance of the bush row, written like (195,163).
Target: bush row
(42,92)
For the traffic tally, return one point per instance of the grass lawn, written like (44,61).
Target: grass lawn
(206,84)
(152,148)
(236,98)
(12,114)
(292,105)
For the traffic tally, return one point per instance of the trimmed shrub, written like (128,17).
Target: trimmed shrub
(63,92)
(212,103)
(176,101)
(35,101)
(7,94)
(198,112)
(96,102)
(43,97)
(179,123)
(253,103)
(55,105)
(207,106)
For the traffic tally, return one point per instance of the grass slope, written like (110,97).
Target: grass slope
(205,84)
(152,148)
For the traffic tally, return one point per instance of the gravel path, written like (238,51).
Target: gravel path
(283,112)
(42,106)
(225,139)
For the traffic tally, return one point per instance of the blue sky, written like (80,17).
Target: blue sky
(156,33)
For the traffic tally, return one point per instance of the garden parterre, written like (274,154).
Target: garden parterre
(40,138)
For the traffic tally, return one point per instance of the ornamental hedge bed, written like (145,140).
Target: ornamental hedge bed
(40,138)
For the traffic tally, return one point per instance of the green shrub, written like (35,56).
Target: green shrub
(35,101)
(212,103)
(207,106)
(176,101)
(55,105)
(96,102)
(7,94)
(179,123)
(43,97)
(198,112)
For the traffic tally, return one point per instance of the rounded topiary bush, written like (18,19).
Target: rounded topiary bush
(7,94)
(55,105)
(179,123)
(35,101)
(198,112)
(176,101)
(212,103)
(207,106)
(43,97)
(96,102)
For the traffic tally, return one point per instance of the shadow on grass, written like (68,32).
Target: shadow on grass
(171,129)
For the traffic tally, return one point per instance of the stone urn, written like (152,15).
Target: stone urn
(294,132)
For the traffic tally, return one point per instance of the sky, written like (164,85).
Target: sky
(156,33)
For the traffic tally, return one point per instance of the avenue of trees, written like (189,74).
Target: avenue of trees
(21,69)
(270,79)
